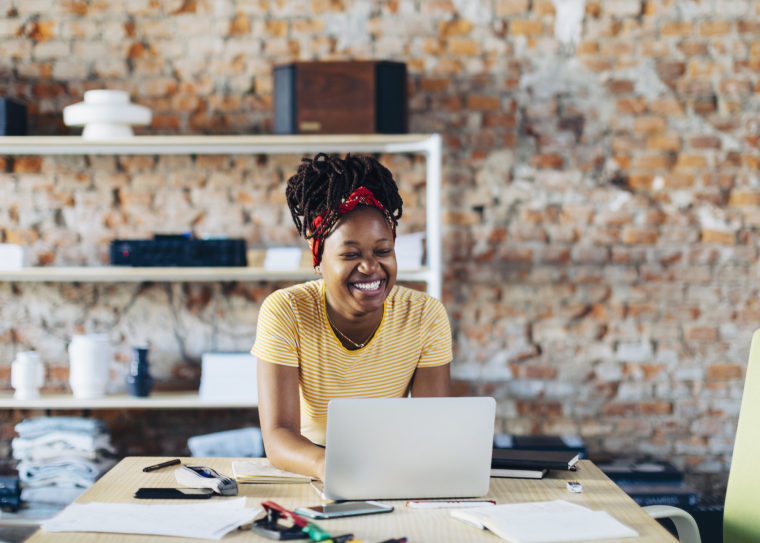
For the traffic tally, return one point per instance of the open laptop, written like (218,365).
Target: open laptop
(404,448)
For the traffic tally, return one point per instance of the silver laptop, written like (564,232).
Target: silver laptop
(408,448)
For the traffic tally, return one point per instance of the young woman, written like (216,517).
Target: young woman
(352,333)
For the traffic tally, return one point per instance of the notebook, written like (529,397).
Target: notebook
(527,459)
(402,448)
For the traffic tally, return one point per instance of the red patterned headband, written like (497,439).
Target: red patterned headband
(322,225)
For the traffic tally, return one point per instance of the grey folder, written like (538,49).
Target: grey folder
(408,448)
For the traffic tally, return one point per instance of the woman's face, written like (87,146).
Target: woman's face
(359,263)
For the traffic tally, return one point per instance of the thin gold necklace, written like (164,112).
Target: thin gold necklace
(351,341)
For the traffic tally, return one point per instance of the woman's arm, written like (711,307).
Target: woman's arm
(280,418)
(433,381)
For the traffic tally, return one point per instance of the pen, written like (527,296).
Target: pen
(162,465)
(395,540)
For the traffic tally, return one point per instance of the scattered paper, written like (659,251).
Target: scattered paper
(205,520)
(545,522)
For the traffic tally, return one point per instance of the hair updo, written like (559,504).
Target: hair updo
(321,184)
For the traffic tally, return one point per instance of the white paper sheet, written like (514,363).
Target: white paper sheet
(546,522)
(200,520)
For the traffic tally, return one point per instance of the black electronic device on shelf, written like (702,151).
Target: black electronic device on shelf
(178,250)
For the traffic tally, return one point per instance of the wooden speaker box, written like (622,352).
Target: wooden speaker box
(343,97)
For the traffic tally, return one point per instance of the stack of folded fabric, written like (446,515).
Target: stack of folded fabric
(60,457)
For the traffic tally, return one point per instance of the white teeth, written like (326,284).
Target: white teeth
(374,285)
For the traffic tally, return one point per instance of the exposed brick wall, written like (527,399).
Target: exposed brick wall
(600,199)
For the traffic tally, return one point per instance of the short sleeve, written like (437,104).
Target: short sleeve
(276,331)
(436,347)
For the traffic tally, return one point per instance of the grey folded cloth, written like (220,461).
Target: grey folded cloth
(37,426)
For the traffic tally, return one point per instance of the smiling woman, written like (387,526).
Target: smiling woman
(353,333)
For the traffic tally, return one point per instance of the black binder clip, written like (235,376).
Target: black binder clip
(274,526)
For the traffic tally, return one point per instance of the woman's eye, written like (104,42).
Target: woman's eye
(384,252)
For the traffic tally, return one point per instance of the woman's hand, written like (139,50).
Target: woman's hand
(280,418)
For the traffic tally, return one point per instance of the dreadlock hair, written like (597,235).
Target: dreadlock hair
(321,183)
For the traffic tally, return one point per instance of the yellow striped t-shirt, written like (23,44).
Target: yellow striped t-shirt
(293,330)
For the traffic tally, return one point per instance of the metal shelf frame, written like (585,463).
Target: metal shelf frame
(427,144)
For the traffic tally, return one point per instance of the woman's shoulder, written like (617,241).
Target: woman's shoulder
(300,294)
(410,298)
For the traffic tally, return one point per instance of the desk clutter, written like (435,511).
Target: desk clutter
(59,458)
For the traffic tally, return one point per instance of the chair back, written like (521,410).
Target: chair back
(741,518)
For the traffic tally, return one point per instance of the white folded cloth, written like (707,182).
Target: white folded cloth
(72,470)
(74,440)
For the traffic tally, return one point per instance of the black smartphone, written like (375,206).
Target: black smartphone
(343,509)
(174,493)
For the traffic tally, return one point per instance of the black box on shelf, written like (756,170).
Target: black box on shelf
(675,494)
(340,97)
(628,471)
(541,443)
(171,250)
(12,117)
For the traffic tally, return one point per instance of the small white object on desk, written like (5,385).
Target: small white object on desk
(106,114)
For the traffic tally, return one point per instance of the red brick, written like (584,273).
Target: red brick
(652,162)
(526,27)
(538,408)
(633,235)
(649,124)
(618,409)
(27,164)
(691,162)
(511,7)
(714,28)
(620,86)
(744,26)
(483,103)
(706,334)
(718,236)
(693,48)
(631,105)
(676,28)
(548,161)
(239,25)
(434,84)
(664,142)
(544,7)
(705,142)
(656,408)
(640,181)
(724,372)
(457,27)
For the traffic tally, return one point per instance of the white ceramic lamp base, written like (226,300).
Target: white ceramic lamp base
(106,114)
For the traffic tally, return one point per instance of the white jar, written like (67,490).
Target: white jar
(89,365)
(27,375)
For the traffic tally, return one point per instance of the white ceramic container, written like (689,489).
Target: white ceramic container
(27,375)
(90,358)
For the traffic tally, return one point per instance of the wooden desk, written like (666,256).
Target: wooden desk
(434,526)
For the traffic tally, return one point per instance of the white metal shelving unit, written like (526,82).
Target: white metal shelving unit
(428,145)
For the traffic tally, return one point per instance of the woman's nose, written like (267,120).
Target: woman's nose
(368,264)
